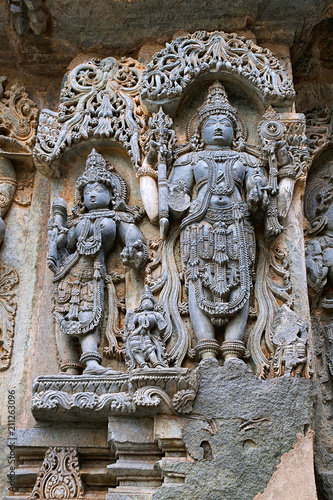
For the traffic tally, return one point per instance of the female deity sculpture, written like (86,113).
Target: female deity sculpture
(217,237)
(77,256)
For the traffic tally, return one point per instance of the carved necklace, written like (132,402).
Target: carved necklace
(90,245)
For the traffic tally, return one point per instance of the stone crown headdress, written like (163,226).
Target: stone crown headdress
(147,294)
(215,103)
(95,171)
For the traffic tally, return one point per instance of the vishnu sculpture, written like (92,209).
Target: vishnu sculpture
(78,250)
(217,237)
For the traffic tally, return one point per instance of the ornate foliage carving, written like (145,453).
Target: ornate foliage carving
(18,121)
(319,128)
(59,476)
(8,280)
(100,99)
(296,142)
(184,59)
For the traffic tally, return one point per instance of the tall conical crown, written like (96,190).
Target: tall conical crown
(95,160)
(95,171)
(147,294)
(217,102)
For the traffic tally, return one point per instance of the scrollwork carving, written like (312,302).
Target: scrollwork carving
(18,121)
(59,476)
(184,59)
(319,128)
(100,99)
(8,280)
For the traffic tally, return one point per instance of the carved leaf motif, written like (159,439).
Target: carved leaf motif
(99,100)
(18,120)
(59,476)
(183,60)
(8,280)
(319,128)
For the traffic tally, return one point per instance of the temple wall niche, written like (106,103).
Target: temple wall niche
(127,379)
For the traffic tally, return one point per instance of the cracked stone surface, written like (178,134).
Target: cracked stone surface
(241,426)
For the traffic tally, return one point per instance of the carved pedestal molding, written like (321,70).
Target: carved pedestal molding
(64,397)
(140,445)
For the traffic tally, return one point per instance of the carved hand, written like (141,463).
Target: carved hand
(152,152)
(135,255)
(257,198)
(257,191)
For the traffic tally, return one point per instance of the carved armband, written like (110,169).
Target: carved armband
(287,171)
(146,170)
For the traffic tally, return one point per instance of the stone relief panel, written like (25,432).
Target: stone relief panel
(18,122)
(78,248)
(318,207)
(209,266)
(243,193)
(318,203)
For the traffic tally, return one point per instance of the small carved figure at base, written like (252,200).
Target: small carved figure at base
(290,336)
(144,330)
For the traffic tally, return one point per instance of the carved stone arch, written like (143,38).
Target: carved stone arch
(185,60)
(99,105)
